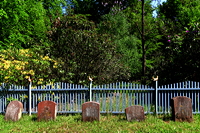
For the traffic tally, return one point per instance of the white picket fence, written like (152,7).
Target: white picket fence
(113,98)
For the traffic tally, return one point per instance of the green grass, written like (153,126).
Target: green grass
(107,124)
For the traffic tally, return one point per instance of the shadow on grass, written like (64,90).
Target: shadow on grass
(166,118)
(121,117)
(122,120)
(34,118)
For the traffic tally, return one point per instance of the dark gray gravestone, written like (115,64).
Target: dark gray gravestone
(90,111)
(182,109)
(47,110)
(135,113)
(14,111)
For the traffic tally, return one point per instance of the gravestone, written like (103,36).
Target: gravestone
(14,111)
(182,109)
(47,110)
(90,111)
(135,113)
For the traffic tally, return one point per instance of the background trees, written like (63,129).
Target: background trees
(97,8)
(84,51)
(145,27)
(180,31)
(106,40)
(118,26)
(22,23)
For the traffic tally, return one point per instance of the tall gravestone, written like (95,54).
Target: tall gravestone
(90,111)
(135,113)
(182,109)
(14,111)
(47,110)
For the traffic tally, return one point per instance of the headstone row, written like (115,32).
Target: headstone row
(47,110)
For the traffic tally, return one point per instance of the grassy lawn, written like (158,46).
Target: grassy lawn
(107,124)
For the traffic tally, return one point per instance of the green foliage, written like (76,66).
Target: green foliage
(181,11)
(108,48)
(149,47)
(83,51)
(53,8)
(96,8)
(180,57)
(22,23)
(184,64)
(127,45)
(17,66)
(10,99)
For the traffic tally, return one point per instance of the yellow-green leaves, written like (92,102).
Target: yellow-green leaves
(18,65)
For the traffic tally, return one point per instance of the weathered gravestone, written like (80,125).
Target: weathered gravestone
(181,109)
(135,113)
(14,111)
(90,111)
(47,110)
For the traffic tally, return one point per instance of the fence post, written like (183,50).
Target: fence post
(29,97)
(156,106)
(90,91)
(156,93)
(90,87)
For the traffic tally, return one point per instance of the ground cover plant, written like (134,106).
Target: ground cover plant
(108,124)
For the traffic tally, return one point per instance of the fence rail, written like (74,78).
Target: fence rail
(113,98)
(166,92)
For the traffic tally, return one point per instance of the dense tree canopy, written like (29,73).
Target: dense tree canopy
(180,36)
(83,51)
(118,27)
(109,41)
(22,23)
(97,8)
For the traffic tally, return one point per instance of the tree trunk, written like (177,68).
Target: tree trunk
(143,45)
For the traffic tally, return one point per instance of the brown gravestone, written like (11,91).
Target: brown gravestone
(90,111)
(182,109)
(14,111)
(47,110)
(135,113)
